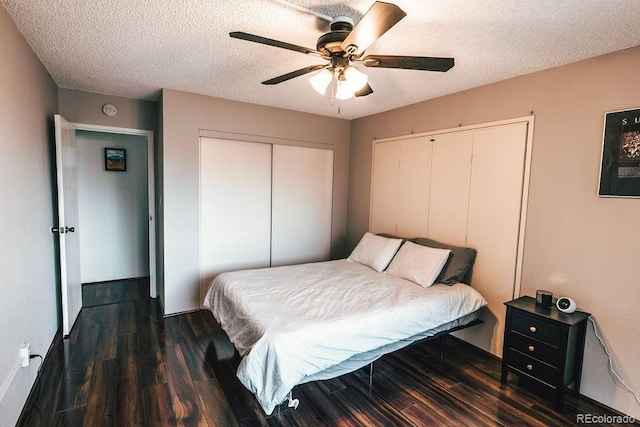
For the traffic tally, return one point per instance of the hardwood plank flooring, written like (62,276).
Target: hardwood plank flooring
(114,292)
(124,364)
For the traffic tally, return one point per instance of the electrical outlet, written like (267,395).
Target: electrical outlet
(25,354)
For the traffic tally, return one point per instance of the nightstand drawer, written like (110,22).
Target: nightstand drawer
(533,367)
(534,348)
(536,328)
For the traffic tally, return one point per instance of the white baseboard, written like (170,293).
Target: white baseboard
(9,380)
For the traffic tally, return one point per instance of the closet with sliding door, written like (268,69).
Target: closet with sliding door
(465,187)
(262,205)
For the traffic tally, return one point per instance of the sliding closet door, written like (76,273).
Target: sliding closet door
(414,184)
(401,183)
(495,202)
(384,187)
(235,206)
(450,182)
(301,205)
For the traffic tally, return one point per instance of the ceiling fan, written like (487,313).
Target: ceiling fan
(346,43)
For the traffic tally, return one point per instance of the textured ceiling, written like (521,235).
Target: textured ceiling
(135,48)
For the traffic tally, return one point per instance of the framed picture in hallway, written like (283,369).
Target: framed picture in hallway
(620,168)
(115,159)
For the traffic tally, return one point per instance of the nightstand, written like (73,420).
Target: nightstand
(544,345)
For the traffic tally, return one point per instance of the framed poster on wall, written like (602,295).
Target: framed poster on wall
(115,159)
(620,165)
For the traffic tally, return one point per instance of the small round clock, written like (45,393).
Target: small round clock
(566,305)
(109,109)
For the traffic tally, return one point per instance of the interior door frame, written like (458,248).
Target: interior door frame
(149,135)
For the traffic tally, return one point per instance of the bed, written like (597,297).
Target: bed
(317,321)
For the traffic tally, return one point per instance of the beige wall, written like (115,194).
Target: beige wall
(28,287)
(85,107)
(184,115)
(576,244)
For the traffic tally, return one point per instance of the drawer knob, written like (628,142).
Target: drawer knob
(532,329)
(531,348)
(529,367)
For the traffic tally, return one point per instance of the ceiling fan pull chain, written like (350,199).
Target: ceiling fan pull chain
(333,89)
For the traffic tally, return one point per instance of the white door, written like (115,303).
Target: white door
(68,227)
(495,203)
(414,187)
(401,182)
(450,182)
(384,187)
(301,205)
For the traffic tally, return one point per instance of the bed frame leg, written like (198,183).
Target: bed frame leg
(442,346)
(293,403)
(370,378)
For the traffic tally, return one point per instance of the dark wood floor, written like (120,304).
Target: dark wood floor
(114,292)
(124,365)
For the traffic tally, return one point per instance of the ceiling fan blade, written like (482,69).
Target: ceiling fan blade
(424,63)
(377,21)
(293,74)
(283,45)
(366,90)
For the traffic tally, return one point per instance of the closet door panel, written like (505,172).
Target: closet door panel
(495,202)
(414,183)
(235,206)
(450,182)
(384,192)
(496,194)
(302,205)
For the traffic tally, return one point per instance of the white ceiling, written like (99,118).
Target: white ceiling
(133,48)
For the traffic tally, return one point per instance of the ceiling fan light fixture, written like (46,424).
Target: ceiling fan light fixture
(320,81)
(347,43)
(355,78)
(349,81)
(343,90)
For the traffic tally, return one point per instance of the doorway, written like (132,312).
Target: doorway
(141,137)
(68,207)
(112,207)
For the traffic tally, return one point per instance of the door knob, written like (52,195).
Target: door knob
(63,230)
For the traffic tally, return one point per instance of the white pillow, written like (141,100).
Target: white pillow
(419,264)
(375,251)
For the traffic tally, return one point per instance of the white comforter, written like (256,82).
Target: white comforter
(299,323)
